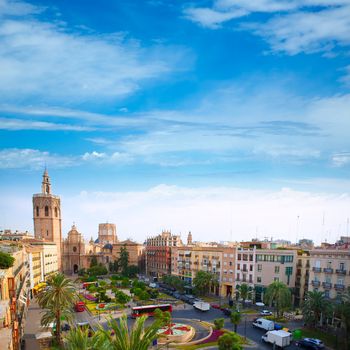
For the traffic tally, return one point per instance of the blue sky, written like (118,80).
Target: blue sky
(181,99)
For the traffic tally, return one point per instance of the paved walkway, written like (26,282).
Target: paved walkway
(32,326)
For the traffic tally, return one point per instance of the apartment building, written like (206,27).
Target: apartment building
(36,269)
(245,266)
(158,253)
(330,271)
(302,276)
(273,265)
(14,291)
(49,256)
(216,259)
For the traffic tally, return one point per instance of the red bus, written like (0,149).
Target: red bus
(149,309)
(79,306)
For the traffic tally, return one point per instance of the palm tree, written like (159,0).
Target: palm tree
(278,294)
(235,319)
(57,301)
(243,291)
(78,339)
(140,338)
(314,306)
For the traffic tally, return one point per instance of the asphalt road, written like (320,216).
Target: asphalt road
(245,328)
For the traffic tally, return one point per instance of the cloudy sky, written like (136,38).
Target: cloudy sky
(228,118)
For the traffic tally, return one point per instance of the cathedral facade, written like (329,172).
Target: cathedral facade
(74,252)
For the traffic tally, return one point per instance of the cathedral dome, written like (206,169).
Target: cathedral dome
(97,240)
(108,246)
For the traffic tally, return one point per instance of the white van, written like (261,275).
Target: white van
(279,338)
(262,323)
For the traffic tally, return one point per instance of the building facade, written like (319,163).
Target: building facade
(329,271)
(47,216)
(158,253)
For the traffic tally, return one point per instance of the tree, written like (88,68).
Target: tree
(132,271)
(144,295)
(279,295)
(219,323)
(229,341)
(121,297)
(57,300)
(93,261)
(162,317)
(6,260)
(78,339)
(139,338)
(124,260)
(243,291)
(235,319)
(345,315)
(202,282)
(314,306)
(97,270)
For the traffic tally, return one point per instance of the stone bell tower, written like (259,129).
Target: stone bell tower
(47,216)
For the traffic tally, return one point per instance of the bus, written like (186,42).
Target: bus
(79,306)
(149,309)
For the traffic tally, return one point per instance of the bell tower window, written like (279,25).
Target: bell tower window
(37,211)
(74,249)
(46,210)
(56,212)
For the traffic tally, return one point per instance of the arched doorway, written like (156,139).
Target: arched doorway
(75,268)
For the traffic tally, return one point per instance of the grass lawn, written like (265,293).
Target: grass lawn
(327,338)
(249,311)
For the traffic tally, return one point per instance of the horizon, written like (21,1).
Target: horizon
(222,118)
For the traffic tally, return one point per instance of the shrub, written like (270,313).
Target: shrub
(6,260)
(230,341)
(144,295)
(219,323)
(121,297)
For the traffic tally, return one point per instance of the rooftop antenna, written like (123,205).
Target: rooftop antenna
(297,230)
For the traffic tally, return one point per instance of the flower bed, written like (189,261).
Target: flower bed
(176,332)
(89,297)
(214,336)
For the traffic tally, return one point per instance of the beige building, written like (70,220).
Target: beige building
(302,276)
(47,216)
(107,233)
(245,266)
(36,269)
(14,291)
(274,265)
(219,260)
(330,271)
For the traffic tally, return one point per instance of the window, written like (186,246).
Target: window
(289,270)
(276,279)
(74,249)
(340,281)
(259,267)
(277,269)
(239,257)
(46,210)
(251,268)
(56,212)
(258,279)
(225,263)
(230,263)
(238,266)
(326,293)
(47,232)
(225,255)
(341,266)
(37,211)
(250,257)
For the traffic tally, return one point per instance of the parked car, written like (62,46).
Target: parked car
(226,311)
(215,306)
(262,323)
(177,295)
(310,343)
(265,313)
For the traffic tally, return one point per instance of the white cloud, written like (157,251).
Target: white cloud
(341,159)
(101,157)
(17,8)
(47,60)
(307,31)
(14,158)
(246,213)
(292,26)
(21,124)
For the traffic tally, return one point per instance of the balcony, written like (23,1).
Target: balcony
(326,285)
(315,283)
(339,287)
(316,269)
(299,264)
(340,271)
(328,270)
